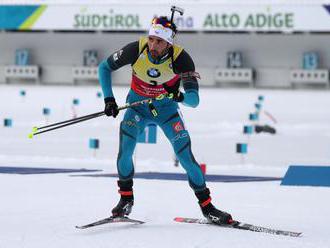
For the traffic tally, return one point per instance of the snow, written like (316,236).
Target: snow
(40,211)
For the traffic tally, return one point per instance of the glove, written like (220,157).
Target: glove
(174,92)
(111,107)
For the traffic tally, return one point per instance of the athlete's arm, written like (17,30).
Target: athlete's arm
(185,66)
(126,55)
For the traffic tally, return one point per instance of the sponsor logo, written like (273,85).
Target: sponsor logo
(256,20)
(116,55)
(177,126)
(153,72)
(180,136)
(137,118)
(107,20)
(129,123)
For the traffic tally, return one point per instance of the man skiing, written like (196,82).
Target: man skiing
(158,68)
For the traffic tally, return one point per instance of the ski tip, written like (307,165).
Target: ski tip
(81,227)
(178,219)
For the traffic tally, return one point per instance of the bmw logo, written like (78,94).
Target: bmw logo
(154,73)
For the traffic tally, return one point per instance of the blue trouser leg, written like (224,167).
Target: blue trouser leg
(130,127)
(179,137)
(172,125)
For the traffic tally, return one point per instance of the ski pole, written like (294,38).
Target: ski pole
(57,125)
(66,121)
(178,9)
(63,125)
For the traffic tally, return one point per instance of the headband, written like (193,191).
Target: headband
(162,32)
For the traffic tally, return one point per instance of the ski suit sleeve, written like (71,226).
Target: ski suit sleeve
(184,65)
(126,55)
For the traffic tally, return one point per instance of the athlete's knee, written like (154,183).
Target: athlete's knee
(128,131)
(180,140)
(185,156)
(183,148)
(128,128)
(127,138)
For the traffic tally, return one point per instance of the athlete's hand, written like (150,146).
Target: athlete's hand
(174,92)
(111,107)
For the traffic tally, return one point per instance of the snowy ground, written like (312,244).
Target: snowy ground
(42,210)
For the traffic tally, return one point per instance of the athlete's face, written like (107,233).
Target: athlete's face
(157,46)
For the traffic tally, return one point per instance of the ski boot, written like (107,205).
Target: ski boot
(126,202)
(210,212)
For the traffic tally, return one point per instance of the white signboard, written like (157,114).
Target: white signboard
(211,17)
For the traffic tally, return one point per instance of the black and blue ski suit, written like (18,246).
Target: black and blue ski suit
(148,76)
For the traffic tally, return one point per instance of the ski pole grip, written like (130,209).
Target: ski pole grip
(178,9)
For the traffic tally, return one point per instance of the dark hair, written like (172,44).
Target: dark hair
(164,19)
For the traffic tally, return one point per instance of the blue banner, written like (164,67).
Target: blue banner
(12,16)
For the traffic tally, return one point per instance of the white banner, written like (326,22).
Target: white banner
(213,17)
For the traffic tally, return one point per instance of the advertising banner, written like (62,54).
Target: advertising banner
(211,17)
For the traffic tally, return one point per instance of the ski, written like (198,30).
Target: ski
(111,220)
(240,225)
